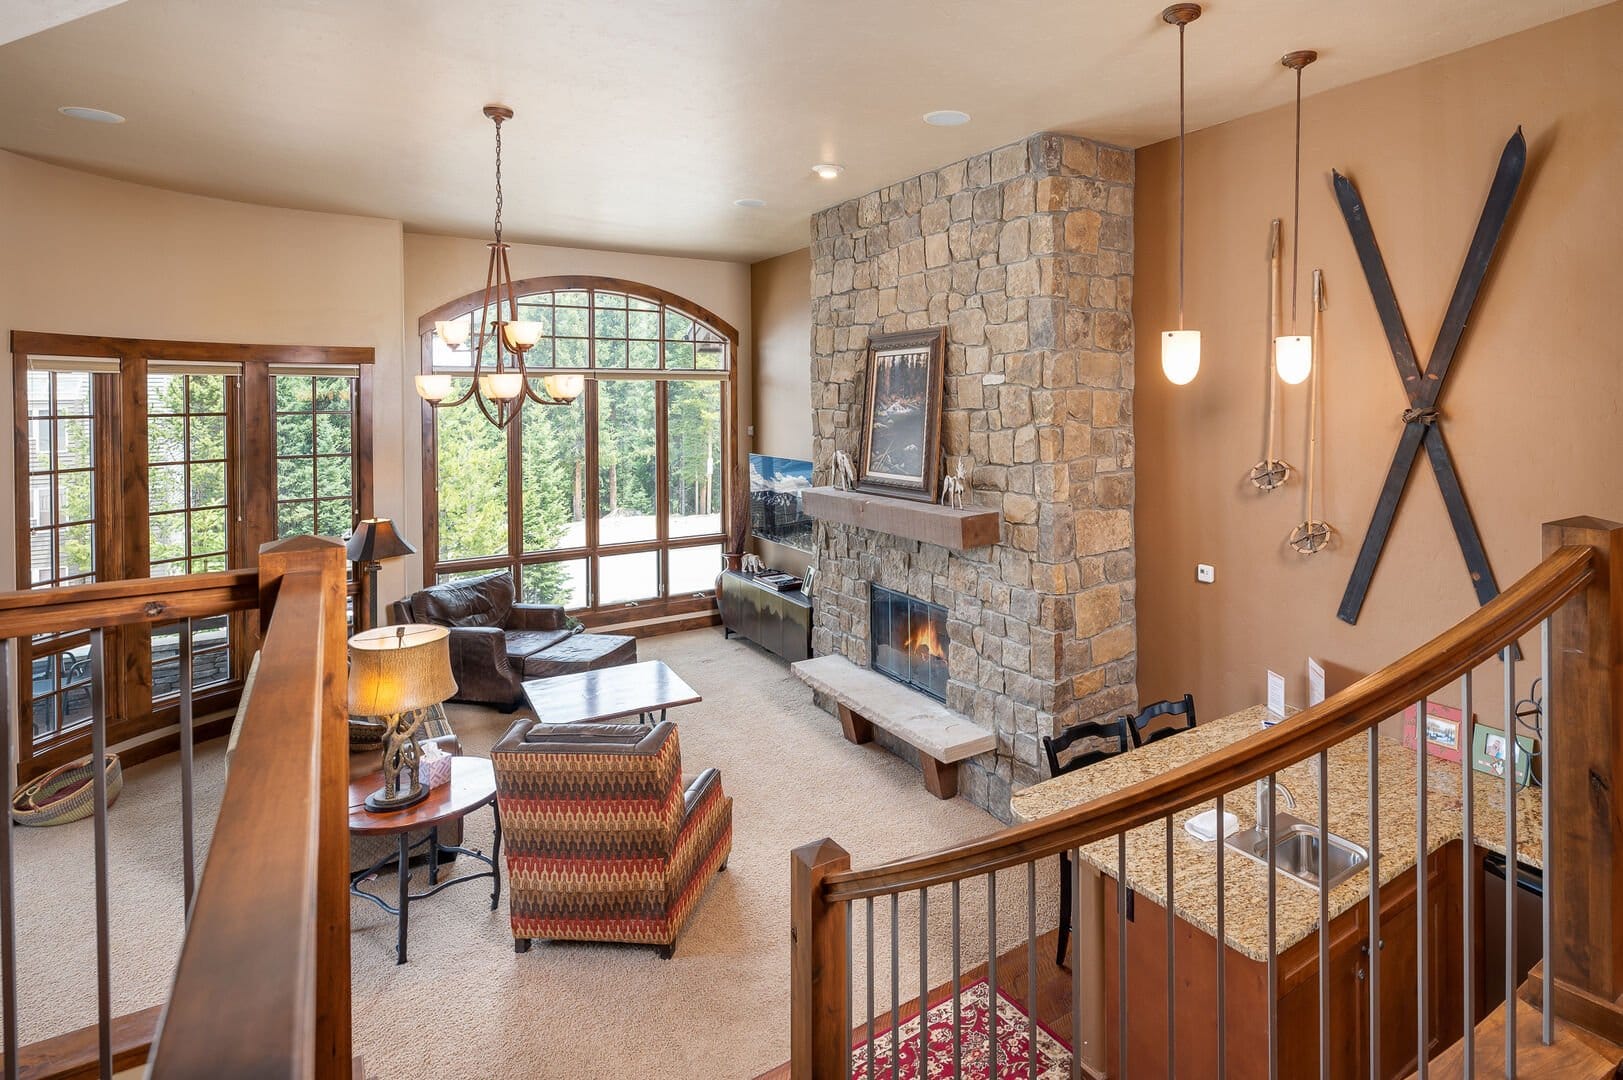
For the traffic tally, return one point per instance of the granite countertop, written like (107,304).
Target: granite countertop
(1297,905)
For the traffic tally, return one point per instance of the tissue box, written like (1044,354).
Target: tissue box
(434,767)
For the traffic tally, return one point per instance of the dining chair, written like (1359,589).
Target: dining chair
(1150,726)
(1110,737)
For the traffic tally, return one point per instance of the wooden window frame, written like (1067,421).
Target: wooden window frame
(123,529)
(734,500)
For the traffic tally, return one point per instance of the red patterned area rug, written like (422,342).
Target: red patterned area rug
(1013,1042)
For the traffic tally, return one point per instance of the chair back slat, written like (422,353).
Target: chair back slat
(1114,731)
(1145,727)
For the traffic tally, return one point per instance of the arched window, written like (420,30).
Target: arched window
(620,500)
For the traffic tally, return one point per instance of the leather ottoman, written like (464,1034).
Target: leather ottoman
(583,652)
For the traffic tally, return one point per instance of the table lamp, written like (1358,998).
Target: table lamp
(374,540)
(394,672)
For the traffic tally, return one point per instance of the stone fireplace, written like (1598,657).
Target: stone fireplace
(1024,254)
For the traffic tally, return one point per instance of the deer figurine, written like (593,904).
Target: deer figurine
(845,474)
(953,488)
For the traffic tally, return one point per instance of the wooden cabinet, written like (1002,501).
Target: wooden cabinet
(1195,1013)
(780,622)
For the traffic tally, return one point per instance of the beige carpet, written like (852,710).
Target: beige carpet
(466,1005)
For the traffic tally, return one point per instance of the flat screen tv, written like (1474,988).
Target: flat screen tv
(775,510)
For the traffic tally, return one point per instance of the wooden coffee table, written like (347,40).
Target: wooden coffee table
(639,690)
(472,785)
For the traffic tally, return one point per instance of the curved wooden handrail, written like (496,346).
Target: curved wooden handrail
(1445,658)
(28,612)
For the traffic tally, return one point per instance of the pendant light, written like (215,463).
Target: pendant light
(1180,348)
(1293,352)
(501,384)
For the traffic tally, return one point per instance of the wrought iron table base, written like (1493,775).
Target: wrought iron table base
(402,861)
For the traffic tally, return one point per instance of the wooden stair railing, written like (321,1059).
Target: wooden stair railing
(1574,596)
(261,986)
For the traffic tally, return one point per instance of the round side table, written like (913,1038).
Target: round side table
(472,785)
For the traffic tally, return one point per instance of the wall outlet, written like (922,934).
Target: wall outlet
(1205,573)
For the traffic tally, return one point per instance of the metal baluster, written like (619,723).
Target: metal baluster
(895,989)
(1076,970)
(1324,915)
(957,1008)
(1421,873)
(1031,969)
(846,1065)
(1374,945)
(991,973)
(870,1035)
(1467,919)
(1222,942)
(1545,772)
(1273,959)
(8,913)
(1511,754)
(98,760)
(1121,950)
(924,982)
(1172,1031)
(187,843)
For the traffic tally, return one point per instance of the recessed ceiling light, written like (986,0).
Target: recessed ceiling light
(828,170)
(749,204)
(95,116)
(946,118)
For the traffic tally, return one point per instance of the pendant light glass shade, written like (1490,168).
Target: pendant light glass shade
(433,387)
(1180,355)
(564,388)
(453,332)
(1293,357)
(502,385)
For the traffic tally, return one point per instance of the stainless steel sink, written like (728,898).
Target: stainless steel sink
(1296,851)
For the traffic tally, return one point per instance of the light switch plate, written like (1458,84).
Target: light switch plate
(1205,573)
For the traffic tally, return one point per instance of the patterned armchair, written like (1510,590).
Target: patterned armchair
(601,840)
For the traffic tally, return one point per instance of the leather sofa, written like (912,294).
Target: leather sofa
(602,840)
(491,635)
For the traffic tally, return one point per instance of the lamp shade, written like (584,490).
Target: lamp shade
(374,539)
(433,387)
(563,387)
(1180,355)
(395,669)
(1293,357)
(454,332)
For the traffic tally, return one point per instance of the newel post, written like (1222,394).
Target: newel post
(819,1028)
(1584,703)
(333,1052)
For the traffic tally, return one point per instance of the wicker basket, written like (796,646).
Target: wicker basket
(66,793)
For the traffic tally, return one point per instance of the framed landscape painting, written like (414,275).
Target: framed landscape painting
(901,417)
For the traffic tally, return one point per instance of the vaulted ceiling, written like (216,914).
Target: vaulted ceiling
(640,122)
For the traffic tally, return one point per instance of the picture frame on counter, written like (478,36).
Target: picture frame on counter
(1443,723)
(1488,754)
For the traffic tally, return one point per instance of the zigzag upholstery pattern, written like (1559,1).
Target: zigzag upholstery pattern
(602,842)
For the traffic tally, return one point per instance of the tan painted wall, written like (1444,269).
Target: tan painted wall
(780,305)
(1532,404)
(442,268)
(88,255)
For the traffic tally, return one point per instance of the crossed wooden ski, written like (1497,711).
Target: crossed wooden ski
(1421,422)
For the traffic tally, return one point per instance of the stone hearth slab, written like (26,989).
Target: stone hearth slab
(919,720)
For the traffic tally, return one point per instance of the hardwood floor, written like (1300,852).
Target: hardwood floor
(1013,978)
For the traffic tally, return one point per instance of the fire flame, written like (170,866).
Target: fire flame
(924,640)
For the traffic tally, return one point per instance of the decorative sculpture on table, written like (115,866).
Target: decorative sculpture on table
(1421,420)
(752,564)
(845,474)
(396,673)
(1312,535)
(953,488)
(1271,472)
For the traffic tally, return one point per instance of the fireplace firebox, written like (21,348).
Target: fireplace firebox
(909,640)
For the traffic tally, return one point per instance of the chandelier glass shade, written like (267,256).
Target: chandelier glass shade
(497,339)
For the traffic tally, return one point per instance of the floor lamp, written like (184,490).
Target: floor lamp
(374,540)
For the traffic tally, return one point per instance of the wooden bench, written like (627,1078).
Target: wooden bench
(867,699)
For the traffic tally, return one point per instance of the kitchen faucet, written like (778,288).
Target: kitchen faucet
(1262,802)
